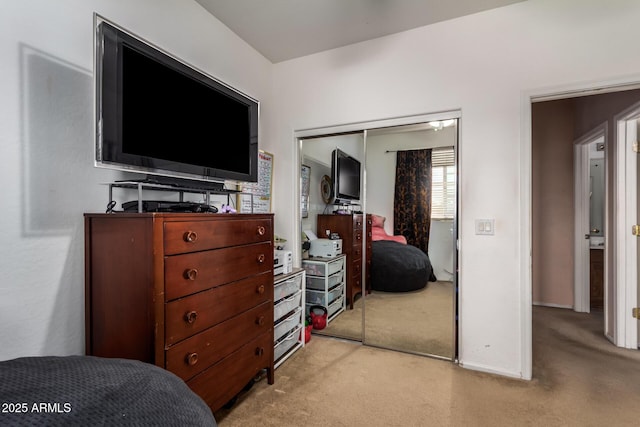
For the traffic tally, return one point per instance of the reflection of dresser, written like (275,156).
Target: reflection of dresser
(191,293)
(596,279)
(350,228)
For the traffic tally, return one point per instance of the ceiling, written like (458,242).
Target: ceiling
(287,29)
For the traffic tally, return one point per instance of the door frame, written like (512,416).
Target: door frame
(300,134)
(528,97)
(626,292)
(581,291)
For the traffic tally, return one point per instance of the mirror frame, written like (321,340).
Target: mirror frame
(418,120)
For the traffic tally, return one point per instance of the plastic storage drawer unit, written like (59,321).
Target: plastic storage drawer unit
(323,268)
(287,288)
(287,305)
(324,298)
(286,325)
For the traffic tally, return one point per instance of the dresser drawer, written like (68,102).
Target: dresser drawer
(193,355)
(222,381)
(357,252)
(192,236)
(189,273)
(190,315)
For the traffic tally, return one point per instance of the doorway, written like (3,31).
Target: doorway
(557,122)
(590,195)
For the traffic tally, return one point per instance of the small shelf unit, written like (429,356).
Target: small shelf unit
(288,315)
(326,284)
(142,185)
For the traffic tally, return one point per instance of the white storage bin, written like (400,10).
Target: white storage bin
(335,307)
(319,282)
(322,298)
(287,288)
(286,344)
(286,325)
(323,268)
(335,293)
(287,305)
(315,297)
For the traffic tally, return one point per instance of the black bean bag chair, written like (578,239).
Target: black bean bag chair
(396,267)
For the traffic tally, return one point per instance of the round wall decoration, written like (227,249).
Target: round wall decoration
(326,189)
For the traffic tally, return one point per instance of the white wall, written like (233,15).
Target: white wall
(483,65)
(46,147)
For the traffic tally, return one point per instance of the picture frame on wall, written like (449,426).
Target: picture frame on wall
(305,186)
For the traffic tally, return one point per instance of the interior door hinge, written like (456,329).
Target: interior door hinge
(636,312)
(635,147)
(635,230)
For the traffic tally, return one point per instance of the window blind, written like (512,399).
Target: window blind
(443,183)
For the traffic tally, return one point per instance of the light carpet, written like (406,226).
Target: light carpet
(580,379)
(420,321)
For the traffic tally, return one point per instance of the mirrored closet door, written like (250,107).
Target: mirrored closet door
(412,198)
(333,228)
(404,224)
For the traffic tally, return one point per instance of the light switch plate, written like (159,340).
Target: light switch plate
(485,227)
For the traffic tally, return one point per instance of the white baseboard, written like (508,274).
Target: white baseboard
(546,304)
(490,370)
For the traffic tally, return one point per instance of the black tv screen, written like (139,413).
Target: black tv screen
(345,171)
(160,116)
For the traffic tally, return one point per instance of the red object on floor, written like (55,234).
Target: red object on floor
(307,333)
(318,315)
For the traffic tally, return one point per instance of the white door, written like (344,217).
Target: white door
(625,297)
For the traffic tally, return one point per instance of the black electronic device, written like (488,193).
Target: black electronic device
(166,206)
(345,177)
(157,115)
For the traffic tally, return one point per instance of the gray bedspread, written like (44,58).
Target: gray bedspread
(93,391)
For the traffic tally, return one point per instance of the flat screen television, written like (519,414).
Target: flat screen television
(157,115)
(345,176)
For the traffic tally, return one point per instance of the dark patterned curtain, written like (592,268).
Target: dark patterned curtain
(412,199)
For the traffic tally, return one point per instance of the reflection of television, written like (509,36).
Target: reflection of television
(345,176)
(157,115)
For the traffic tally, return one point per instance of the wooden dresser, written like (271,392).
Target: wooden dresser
(192,293)
(351,231)
(596,279)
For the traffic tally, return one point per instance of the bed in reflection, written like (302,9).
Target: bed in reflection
(395,265)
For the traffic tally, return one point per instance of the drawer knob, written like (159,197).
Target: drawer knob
(191,317)
(261,258)
(191,274)
(190,236)
(259,351)
(260,321)
(191,359)
(261,230)
(260,289)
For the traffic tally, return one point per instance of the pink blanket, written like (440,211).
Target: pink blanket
(378,233)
